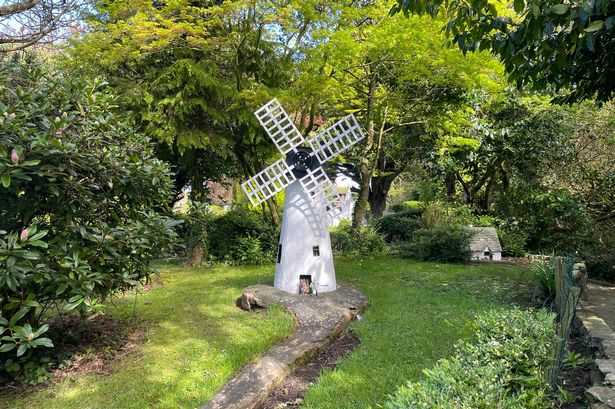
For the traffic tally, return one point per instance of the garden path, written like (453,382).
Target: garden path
(598,318)
(320,318)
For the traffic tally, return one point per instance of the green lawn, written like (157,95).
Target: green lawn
(416,313)
(198,338)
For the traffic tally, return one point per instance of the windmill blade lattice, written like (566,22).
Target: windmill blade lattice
(336,139)
(321,190)
(279,126)
(266,183)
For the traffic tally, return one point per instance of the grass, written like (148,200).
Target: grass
(198,338)
(417,311)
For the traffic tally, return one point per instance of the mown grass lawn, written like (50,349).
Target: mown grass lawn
(197,338)
(416,313)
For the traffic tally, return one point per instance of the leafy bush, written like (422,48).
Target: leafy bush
(445,243)
(503,365)
(601,265)
(249,251)
(232,238)
(554,220)
(398,226)
(365,241)
(81,204)
(414,207)
(513,242)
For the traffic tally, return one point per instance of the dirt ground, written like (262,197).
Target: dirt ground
(290,393)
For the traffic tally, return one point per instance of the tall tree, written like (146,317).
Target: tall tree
(403,87)
(195,71)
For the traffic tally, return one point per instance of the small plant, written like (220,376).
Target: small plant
(544,280)
(574,360)
(35,373)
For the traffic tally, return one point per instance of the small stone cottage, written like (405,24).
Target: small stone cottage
(485,244)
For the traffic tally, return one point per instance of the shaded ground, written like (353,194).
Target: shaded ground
(80,347)
(290,393)
(576,373)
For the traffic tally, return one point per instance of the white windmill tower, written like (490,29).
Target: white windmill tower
(304,252)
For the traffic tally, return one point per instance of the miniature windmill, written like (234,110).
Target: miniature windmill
(304,252)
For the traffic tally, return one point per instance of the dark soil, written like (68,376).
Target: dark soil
(79,347)
(576,379)
(290,393)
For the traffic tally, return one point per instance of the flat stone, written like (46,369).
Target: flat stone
(602,394)
(596,326)
(320,319)
(608,347)
(606,366)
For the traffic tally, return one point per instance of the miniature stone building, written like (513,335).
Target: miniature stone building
(485,244)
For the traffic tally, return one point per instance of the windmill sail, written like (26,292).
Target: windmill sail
(321,190)
(279,126)
(336,139)
(268,182)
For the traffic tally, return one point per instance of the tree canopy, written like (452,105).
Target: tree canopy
(544,44)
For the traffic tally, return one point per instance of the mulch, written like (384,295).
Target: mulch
(291,391)
(577,380)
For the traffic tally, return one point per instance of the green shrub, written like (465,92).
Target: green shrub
(601,265)
(502,366)
(82,205)
(543,274)
(231,237)
(513,242)
(249,251)
(414,207)
(194,232)
(365,241)
(445,243)
(398,226)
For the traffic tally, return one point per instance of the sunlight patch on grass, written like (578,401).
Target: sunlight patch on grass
(196,340)
(416,313)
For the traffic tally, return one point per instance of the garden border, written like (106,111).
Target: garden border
(320,318)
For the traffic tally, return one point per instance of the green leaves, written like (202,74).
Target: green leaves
(583,29)
(519,5)
(79,210)
(560,9)
(594,26)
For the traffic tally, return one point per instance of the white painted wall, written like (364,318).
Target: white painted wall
(304,227)
(478,255)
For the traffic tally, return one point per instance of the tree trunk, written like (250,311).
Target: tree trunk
(451,186)
(360,207)
(364,168)
(379,192)
(196,256)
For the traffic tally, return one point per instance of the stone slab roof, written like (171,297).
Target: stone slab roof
(484,237)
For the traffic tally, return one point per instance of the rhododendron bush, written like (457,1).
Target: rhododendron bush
(83,203)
